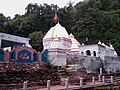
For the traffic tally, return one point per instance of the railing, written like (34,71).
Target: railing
(95,82)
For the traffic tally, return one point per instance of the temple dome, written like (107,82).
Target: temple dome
(99,42)
(75,44)
(56,44)
(58,31)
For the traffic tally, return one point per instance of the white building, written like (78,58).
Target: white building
(56,53)
(8,42)
(60,44)
(97,50)
(61,33)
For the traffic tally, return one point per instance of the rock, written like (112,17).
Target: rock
(75,77)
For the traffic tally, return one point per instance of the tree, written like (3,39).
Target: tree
(36,40)
(3,20)
(98,20)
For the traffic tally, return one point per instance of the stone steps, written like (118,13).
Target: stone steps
(62,72)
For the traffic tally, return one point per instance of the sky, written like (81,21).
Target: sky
(12,7)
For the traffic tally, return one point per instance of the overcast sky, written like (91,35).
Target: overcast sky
(12,7)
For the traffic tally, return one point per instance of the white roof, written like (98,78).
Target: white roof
(28,45)
(103,44)
(111,47)
(99,42)
(115,53)
(56,44)
(13,38)
(75,44)
(58,31)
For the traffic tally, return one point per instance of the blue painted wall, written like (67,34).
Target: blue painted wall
(1,55)
(24,55)
(44,56)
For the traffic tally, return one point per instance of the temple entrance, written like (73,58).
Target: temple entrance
(88,53)
(94,53)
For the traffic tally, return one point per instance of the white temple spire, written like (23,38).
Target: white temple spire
(75,44)
(99,42)
(56,44)
(83,44)
(111,47)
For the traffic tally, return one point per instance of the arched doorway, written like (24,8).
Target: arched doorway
(94,53)
(88,53)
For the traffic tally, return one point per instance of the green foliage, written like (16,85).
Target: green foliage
(3,20)
(98,20)
(36,40)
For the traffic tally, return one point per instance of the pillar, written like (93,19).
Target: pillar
(114,70)
(108,71)
(111,79)
(25,85)
(103,79)
(93,81)
(100,71)
(81,82)
(66,84)
(48,84)
(99,78)
(0,42)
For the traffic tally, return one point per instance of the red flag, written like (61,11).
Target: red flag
(56,18)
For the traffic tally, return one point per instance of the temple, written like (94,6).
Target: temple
(61,33)
(63,49)
(60,48)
